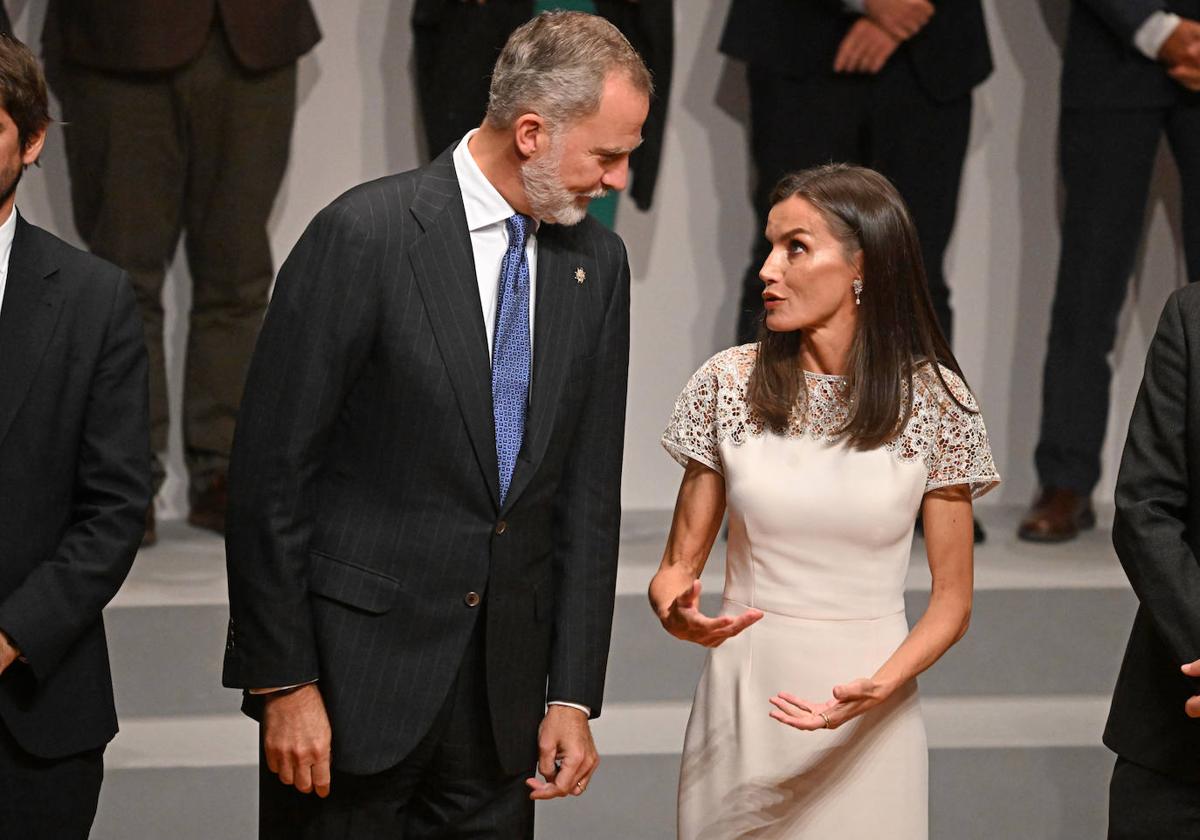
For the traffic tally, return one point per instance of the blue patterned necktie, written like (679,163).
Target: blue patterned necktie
(511,351)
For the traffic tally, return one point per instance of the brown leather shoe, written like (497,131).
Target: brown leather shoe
(1057,515)
(150,536)
(208,509)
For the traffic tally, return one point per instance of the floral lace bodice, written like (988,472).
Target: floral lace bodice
(712,410)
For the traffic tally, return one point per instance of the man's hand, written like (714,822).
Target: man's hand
(865,49)
(902,19)
(684,620)
(1181,54)
(296,739)
(1192,706)
(8,652)
(566,754)
(849,701)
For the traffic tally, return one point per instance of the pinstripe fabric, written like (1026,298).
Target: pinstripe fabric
(364,498)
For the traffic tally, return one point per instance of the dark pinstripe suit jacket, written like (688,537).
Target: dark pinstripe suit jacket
(364,491)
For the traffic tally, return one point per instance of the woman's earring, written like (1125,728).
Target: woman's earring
(857,286)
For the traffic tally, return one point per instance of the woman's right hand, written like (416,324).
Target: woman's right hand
(683,620)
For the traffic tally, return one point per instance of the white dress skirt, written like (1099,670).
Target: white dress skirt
(819,540)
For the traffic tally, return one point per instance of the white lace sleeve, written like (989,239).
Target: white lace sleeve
(961,453)
(692,432)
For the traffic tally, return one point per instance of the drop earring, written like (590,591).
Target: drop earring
(858,287)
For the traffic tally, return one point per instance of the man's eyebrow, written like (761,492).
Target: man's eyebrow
(618,150)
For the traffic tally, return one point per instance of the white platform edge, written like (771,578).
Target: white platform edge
(628,729)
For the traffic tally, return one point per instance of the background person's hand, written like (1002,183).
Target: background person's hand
(849,701)
(865,49)
(902,19)
(567,756)
(684,620)
(297,738)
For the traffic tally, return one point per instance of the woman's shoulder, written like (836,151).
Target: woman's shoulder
(731,364)
(941,386)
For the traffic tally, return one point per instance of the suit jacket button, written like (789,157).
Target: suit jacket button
(501,527)
(472,599)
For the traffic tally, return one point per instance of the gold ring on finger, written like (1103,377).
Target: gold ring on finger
(825,718)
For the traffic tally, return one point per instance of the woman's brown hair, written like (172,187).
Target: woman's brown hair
(897,329)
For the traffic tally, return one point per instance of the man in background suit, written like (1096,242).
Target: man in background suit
(74,487)
(1155,790)
(425,486)
(179,120)
(1130,73)
(881,83)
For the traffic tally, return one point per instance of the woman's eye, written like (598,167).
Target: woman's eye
(796,247)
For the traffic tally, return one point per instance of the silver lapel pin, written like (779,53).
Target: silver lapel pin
(580,275)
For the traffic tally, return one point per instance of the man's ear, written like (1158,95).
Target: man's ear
(33,147)
(531,134)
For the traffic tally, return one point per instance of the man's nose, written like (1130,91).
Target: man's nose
(617,177)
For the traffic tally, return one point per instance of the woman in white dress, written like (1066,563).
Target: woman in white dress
(823,441)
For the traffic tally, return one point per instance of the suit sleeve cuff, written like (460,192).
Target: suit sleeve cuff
(279,688)
(587,711)
(1153,33)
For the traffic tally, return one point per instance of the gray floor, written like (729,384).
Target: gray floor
(1014,711)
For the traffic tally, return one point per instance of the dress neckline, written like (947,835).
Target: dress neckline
(827,377)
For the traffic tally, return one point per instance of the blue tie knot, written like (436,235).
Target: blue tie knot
(518,229)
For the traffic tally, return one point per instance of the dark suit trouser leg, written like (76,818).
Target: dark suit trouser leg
(451,786)
(127,164)
(1183,134)
(1144,804)
(1106,158)
(44,799)
(794,124)
(239,126)
(202,148)
(921,144)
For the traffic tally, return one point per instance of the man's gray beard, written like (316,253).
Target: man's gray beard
(548,199)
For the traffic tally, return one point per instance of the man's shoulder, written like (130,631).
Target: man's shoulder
(53,253)
(383,203)
(591,235)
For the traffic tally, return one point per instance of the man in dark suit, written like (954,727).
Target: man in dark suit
(1152,725)
(882,83)
(74,487)
(179,120)
(1131,72)
(425,487)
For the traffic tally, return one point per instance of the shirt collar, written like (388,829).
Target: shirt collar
(482,201)
(8,231)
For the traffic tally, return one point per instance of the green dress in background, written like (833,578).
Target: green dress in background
(603,210)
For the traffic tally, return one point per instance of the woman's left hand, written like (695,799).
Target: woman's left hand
(849,701)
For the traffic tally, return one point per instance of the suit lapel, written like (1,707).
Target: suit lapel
(444,268)
(28,316)
(557,291)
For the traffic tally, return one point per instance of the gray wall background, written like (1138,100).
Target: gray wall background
(357,120)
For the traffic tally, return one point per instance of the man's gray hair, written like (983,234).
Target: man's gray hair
(555,66)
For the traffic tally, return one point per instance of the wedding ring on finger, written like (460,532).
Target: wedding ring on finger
(825,718)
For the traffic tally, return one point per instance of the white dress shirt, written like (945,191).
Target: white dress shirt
(1154,32)
(487,217)
(7,231)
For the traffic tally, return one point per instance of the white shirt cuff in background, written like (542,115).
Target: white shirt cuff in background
(1152,34)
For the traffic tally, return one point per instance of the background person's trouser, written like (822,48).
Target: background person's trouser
(1106,159)
(199,151)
